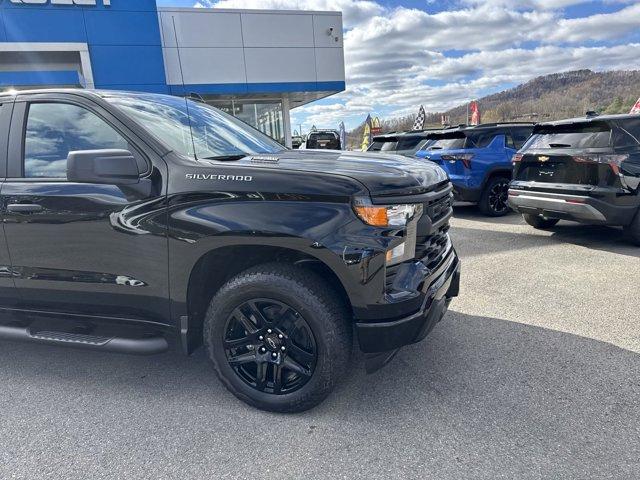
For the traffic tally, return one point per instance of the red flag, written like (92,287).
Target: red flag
(636,107)
(475,113)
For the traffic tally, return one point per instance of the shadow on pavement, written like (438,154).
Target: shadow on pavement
(481,398)
(471,212)
(595,237)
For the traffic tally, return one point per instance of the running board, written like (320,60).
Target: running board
(144,345)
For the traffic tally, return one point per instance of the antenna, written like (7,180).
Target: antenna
(184,86)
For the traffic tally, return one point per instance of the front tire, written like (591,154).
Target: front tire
(493,201)
(279,337)
(541,223)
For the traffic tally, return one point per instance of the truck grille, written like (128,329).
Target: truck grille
(432,247)
(430,250)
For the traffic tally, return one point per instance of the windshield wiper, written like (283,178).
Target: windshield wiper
(560,145)
(223,158)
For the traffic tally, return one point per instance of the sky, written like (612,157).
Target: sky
(400,54)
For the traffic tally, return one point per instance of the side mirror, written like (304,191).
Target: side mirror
(111,167)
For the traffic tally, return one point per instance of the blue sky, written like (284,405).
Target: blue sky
(441,53)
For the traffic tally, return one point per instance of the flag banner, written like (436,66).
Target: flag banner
(343,136)
(636,107)
(420,119)
(366,135)
(475,112)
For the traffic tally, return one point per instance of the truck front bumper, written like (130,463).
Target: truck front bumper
(381,340)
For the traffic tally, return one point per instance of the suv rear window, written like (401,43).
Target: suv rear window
(575,135)
(448,142)
(322,136)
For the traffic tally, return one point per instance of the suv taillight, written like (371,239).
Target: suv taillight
(613,160)
(465,158)
(517,158)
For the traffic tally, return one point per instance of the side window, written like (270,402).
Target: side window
(627,135)
(55,129)
(509,142)
(481,139)
(520,136)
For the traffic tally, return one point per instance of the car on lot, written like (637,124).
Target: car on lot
(131,218)
(323,139)
(581,169)
(297,141)
(478,161)
(401,143)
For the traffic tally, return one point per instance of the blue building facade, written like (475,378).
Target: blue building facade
(123,41)
(255,64)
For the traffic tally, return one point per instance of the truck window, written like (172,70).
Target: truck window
(55,129)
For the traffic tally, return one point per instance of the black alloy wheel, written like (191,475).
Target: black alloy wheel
(494,198)
(270,346)
(279,337)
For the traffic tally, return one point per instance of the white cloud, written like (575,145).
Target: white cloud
(353,11)
(398,58)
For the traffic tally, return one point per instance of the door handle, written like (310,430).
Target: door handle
(24,208)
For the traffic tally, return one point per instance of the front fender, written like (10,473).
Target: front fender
(327,231)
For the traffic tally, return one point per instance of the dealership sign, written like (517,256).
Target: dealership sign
(61,2)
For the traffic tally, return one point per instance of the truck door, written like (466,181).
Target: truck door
(8,292)
(82,249)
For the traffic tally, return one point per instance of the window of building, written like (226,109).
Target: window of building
(265,115)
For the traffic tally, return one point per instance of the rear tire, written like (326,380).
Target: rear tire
(493,201)
(290,343)
(541,223)
(632,232)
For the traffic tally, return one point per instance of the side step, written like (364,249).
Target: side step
(142,345)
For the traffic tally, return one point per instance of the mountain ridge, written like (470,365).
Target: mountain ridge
(544,98)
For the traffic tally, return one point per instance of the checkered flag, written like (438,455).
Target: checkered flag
(420,119)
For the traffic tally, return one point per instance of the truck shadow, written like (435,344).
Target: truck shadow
(471,241)
(481,387)
(471,212)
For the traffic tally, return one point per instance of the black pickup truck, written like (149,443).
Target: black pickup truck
(130,219)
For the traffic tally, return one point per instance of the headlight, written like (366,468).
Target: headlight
(384,215)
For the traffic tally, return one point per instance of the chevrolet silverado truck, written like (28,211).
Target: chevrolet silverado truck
(132,219)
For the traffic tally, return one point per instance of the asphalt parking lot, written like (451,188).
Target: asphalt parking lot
(535,373)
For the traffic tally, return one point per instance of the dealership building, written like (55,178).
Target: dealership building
(255,64)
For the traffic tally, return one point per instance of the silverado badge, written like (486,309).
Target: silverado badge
(543,158)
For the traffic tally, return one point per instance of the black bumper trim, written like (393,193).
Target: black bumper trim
(389,336)
(578,207)
(464,194)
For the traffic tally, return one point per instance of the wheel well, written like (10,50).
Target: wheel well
(498,173)
(216,267)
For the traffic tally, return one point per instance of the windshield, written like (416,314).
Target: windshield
(215,133)
(593,135)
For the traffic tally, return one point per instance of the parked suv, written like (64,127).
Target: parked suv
(401,143)
(323,139)
(129,218)
(478,161)
(582,169)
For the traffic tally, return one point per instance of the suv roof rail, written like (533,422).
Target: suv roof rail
(502,124)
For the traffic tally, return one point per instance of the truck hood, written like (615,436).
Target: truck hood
(381,174)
